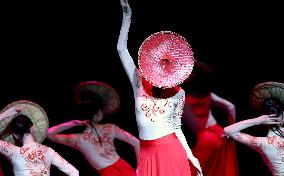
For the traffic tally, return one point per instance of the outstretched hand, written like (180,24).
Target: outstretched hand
(80,122)
(199,171)
(11,112)
(199,174)
(125,6)
(268,119)
(124,2)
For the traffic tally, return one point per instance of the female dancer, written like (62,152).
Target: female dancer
(216,154)
(164,150)
(28,123)
(96,142)
(268,98)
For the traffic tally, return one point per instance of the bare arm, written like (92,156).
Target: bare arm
(253,142)
(225,104)
(124,55)
(128,138)
(64,165)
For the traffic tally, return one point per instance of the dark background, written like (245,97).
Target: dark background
(48,48)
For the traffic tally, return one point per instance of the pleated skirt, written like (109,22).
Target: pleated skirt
(216,154)
(163,157)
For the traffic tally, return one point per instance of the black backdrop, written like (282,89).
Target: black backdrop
(47,48)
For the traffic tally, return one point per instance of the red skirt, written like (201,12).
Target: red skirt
(1,171)
(163,157)
(119,168)
(217,156)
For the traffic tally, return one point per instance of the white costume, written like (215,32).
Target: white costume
(35,159)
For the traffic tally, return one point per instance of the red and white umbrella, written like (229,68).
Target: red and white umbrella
(165,59)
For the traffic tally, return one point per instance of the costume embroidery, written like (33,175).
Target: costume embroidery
(6,148)
(278,145)
(107,149)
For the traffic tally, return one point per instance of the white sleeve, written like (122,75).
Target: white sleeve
(6,149)
(189,154)
(125,57)
(177,125)
(64,165)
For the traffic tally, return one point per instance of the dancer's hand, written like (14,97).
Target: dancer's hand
(124,3)
(125,6)
(199,174)
(197,166)
(80,122)
(268,120)
(10,112)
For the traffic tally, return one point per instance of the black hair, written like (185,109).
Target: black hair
(90,104)
(158,92)
(274,106)
(21,125)
(200,81)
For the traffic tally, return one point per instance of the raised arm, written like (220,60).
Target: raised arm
(64,165)
(225,104)
(252,141)
(128,138)
(7,116)
(124,55)
(65,139)
(65,126)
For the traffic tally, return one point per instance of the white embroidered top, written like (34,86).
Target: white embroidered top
(35,159)
(155,117)
(270,147)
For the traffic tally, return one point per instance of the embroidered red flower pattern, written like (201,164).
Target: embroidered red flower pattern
(6,148)
(106,149)
(277,144)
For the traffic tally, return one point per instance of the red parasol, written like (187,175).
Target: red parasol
(165,59)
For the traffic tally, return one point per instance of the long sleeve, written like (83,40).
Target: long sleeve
(63,165)
(257,143)
(7,116)
(124,55)
(6,149)
(177,125)
(189,154)
(239,126)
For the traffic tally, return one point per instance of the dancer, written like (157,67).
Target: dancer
(267,98)
(26,123)
(165,60)
(216,154)
(97,100)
